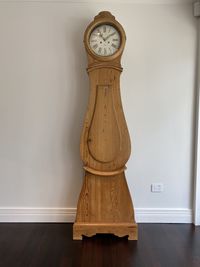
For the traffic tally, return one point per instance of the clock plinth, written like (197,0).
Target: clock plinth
(105,204)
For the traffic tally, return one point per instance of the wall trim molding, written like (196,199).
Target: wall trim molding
(158,215)
(102,1)
(197,130)
(37,214)
(143,215)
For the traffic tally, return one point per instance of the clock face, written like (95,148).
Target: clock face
(105,40)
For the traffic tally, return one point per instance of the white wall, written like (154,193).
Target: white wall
(43,98)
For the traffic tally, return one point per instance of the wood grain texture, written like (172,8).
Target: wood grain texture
(105,142)
(91,229)
(105,204)
(104,124)
(105,200)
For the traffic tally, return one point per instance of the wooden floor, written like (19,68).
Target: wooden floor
(51,245)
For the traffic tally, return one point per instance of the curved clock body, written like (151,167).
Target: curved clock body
(105,204)
(105,142)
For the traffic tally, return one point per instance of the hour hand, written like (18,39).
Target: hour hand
(101,35)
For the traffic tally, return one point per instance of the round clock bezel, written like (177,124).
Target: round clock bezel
(98,23)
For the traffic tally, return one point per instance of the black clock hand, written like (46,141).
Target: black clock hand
(101,35)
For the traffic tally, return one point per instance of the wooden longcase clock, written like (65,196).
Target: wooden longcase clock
(105,204)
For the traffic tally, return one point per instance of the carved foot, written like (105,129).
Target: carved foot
(118,229)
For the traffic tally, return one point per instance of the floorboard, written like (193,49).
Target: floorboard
(51,245)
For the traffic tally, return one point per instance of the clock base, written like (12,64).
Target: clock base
(118,229)
(105,207)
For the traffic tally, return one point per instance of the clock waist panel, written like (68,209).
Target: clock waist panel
(104,135)
(105,142)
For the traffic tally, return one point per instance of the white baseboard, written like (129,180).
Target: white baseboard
(153,215)
(143,215)
(37,214)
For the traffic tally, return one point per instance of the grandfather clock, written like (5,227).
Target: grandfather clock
(105,204)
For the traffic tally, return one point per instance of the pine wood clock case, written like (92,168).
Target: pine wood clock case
(104,204)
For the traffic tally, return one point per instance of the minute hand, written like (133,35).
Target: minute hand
(110,35)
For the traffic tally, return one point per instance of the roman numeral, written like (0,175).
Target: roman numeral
(95,46)
(105,52)
(104,28)
(99,51)
(113,45)
(115,40)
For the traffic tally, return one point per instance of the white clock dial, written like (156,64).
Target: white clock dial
(105,40)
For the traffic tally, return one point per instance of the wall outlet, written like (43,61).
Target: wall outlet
(157,187)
